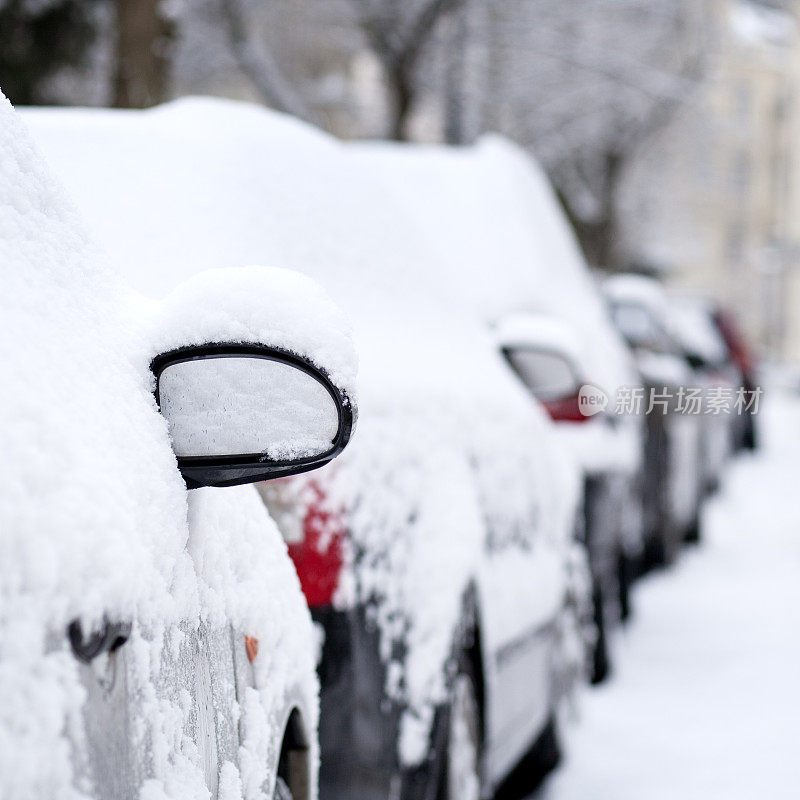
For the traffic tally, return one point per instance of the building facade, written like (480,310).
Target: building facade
(715,199)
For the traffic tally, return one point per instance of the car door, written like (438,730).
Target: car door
(522,585)
(158,689)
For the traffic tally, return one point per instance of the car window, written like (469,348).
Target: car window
(547,374)
(639,327)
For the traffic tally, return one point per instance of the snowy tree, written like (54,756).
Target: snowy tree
(255,57)
(278,47)
(583,85)
(398,32)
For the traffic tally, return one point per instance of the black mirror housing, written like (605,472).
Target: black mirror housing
(235,468)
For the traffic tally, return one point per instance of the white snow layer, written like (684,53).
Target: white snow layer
(259,305)
(94,517)
(502,241)
(201,184)
(639,290)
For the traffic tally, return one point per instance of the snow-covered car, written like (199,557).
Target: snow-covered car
(716,374)
(438,554)
(448,591)
(507,250)
(674,476)
(742,356)
(554,364)
(154,641)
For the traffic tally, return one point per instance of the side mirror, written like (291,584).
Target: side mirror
(552,380)
(245,413)
(547,374)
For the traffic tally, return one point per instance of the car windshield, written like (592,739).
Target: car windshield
(639,327)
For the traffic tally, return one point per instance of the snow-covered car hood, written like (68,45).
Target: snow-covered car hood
(691,325)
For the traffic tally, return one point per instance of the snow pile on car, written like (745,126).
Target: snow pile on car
(171,197)
(93,512)
(505,251)
(83,449)
(264,305)
(504,245)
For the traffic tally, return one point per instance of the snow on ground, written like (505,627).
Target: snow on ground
(705,702)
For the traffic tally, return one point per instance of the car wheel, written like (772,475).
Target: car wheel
(282,791)
(453,771)
(463,757)
(625,572)
(601,663)
(662,550)
(749,437)
(693,534)
(529,775)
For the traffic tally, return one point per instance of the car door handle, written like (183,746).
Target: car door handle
(108,638)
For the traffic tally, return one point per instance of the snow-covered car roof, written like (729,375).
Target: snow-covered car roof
(170,196)
(503,242)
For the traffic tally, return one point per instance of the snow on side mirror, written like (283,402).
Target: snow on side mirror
(243,413)
(254,373)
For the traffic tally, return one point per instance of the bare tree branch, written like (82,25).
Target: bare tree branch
(257,63)
(398,34)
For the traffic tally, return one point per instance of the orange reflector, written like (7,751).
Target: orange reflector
(251,645)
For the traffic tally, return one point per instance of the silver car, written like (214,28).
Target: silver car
(154,641)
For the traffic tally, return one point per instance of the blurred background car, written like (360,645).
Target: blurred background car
(674,468)
(715,374)
(503,242)
(743,357)
(548,358)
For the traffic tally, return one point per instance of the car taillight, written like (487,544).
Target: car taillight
(565,409)
(737,347)
(313,527)
(319,555)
